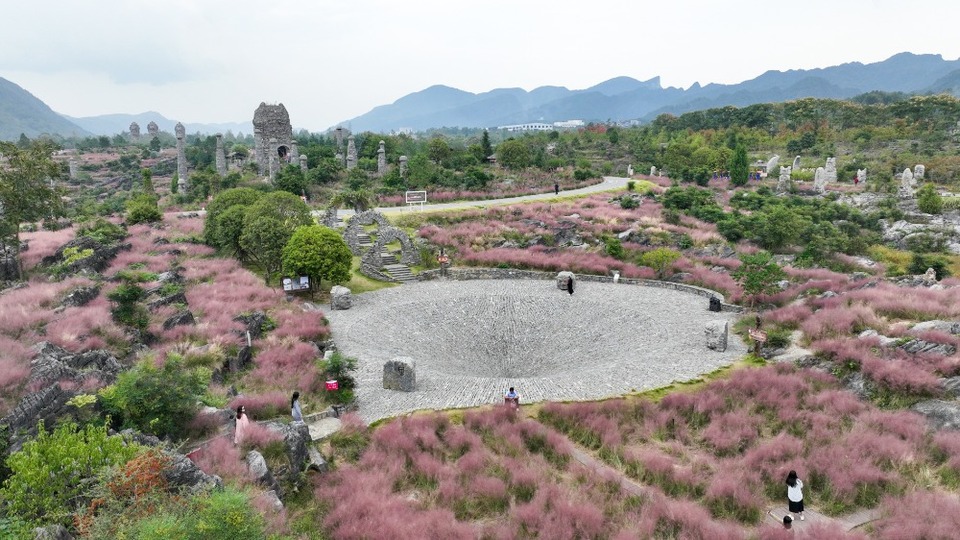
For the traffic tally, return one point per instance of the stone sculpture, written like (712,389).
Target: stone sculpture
(796,163)
(338,135)
(303,162)
(773,164)
(221,158)
(820,180)
(381,159)
(919,171)
(653,171)
(135,131)
(181,133)
(831,169)
(784,183)
(351,153)
(153,128)
(340,298)
(403,166)
(272,136)
(862,175)
(294,154)
(74,168)
(400,374)
(716,334)
(629,170)
(906,185)
(563,278)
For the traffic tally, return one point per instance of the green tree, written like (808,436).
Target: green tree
(243,197)
(358,199)
(147,176)
(155,144)
(143,209)
(758,274)
(438,150)
(291,180)
(175,184)
(153,399)
(739,167)
(513,154)
(50,475)
(263,239)
(929,200)
(126,308)
(318,252)
(659,260)
(27,191)
(485,146)
(229,229)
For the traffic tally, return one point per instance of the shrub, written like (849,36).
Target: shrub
(660,260)
(102,231)
(928,200)
(340,367)
(49,475)
(631,185)
(126,309)
(143,209)
(155,400)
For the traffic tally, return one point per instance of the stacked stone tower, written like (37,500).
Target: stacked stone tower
(134,131)
(181,133)
(272,137)
(221,157)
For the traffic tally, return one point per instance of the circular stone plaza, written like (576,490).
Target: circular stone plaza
(472,340)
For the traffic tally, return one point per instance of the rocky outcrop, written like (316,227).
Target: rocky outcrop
(80,296)
(181,318)
(177,298)
(184,474)
(53,363)
(52,532)
(940,414)
(47,405)
(96,262)
(260,472)
(255,323)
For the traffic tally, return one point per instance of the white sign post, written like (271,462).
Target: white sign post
(416,197)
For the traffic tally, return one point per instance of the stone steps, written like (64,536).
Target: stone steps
(364,239)
(389,257)
(400,272)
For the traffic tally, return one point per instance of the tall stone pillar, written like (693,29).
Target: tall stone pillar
(181,133)
(351,153)
(381,159)
(303,162)
(73,168)
(221,157)
(294,153)
(338,135)
(134,131)
(403,166)
(274,159)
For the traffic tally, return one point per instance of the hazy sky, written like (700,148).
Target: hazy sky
(328,61)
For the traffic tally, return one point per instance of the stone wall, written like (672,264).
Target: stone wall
(511,273)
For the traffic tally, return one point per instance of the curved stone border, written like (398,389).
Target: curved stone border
(459,274)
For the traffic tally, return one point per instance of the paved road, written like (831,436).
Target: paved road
(609,183)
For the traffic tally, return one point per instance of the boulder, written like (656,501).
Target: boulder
(52,532)
(340,298)
(400,374)
(172,276)
(563,278)
(939,414)
(296,438)
(181,318)
(272,499)
(260,471)
(923,346)
(243,359)
(951,386)
(47,404)
(97,262)
(317,463)
(80,296)
(182,473)
(177,298)
(716,334)
(254,322)
(947,327)
(53,363)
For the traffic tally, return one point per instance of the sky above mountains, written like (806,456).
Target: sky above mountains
(327,61)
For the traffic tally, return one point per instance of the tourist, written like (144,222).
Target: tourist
(512,398)
(787,522)
(556,188)
(795,494)
(295,409)
(570,285)
(856,180)
(243,423)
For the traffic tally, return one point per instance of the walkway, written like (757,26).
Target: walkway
(609,183)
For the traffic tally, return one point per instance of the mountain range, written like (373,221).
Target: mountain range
(621,99)
(625,99)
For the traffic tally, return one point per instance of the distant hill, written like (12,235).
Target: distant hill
(625,99)
(22,112)
(111,124)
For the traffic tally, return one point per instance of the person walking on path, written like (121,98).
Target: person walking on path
(795,494)
(295,409)
(243,423)
(556,188)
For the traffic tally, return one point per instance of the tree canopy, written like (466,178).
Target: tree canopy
(318,252)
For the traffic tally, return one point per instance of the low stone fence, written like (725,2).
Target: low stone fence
(466,273)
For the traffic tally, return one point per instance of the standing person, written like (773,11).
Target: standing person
(243,423)
(556,188)
(295,409)
(795,494)
(570,285)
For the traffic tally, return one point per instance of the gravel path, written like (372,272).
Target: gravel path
(471,340)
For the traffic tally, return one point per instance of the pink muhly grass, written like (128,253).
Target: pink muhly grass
(840,320)
(222,458)
(43,244)
(791,315)
(304,325)
(732,432)
(771,457)
(258,436)
(276,519)
(74,329)
(184,226)
(920,514)
(901,376)
(736,490)
(905,425)
(910,303)
(686,518)
(264,406)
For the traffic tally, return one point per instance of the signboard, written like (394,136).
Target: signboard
(301,283)
(416,197)
(333,385)
(757,335)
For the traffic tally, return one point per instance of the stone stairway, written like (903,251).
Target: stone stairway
(400,272)
(364,239)
(389,257)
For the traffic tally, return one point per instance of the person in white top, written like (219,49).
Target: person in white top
(295,409)
(243,423)
(795,494)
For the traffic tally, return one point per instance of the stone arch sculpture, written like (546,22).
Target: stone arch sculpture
(355,227)
(408,252)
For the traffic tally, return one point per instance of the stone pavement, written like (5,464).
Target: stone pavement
(471,340)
